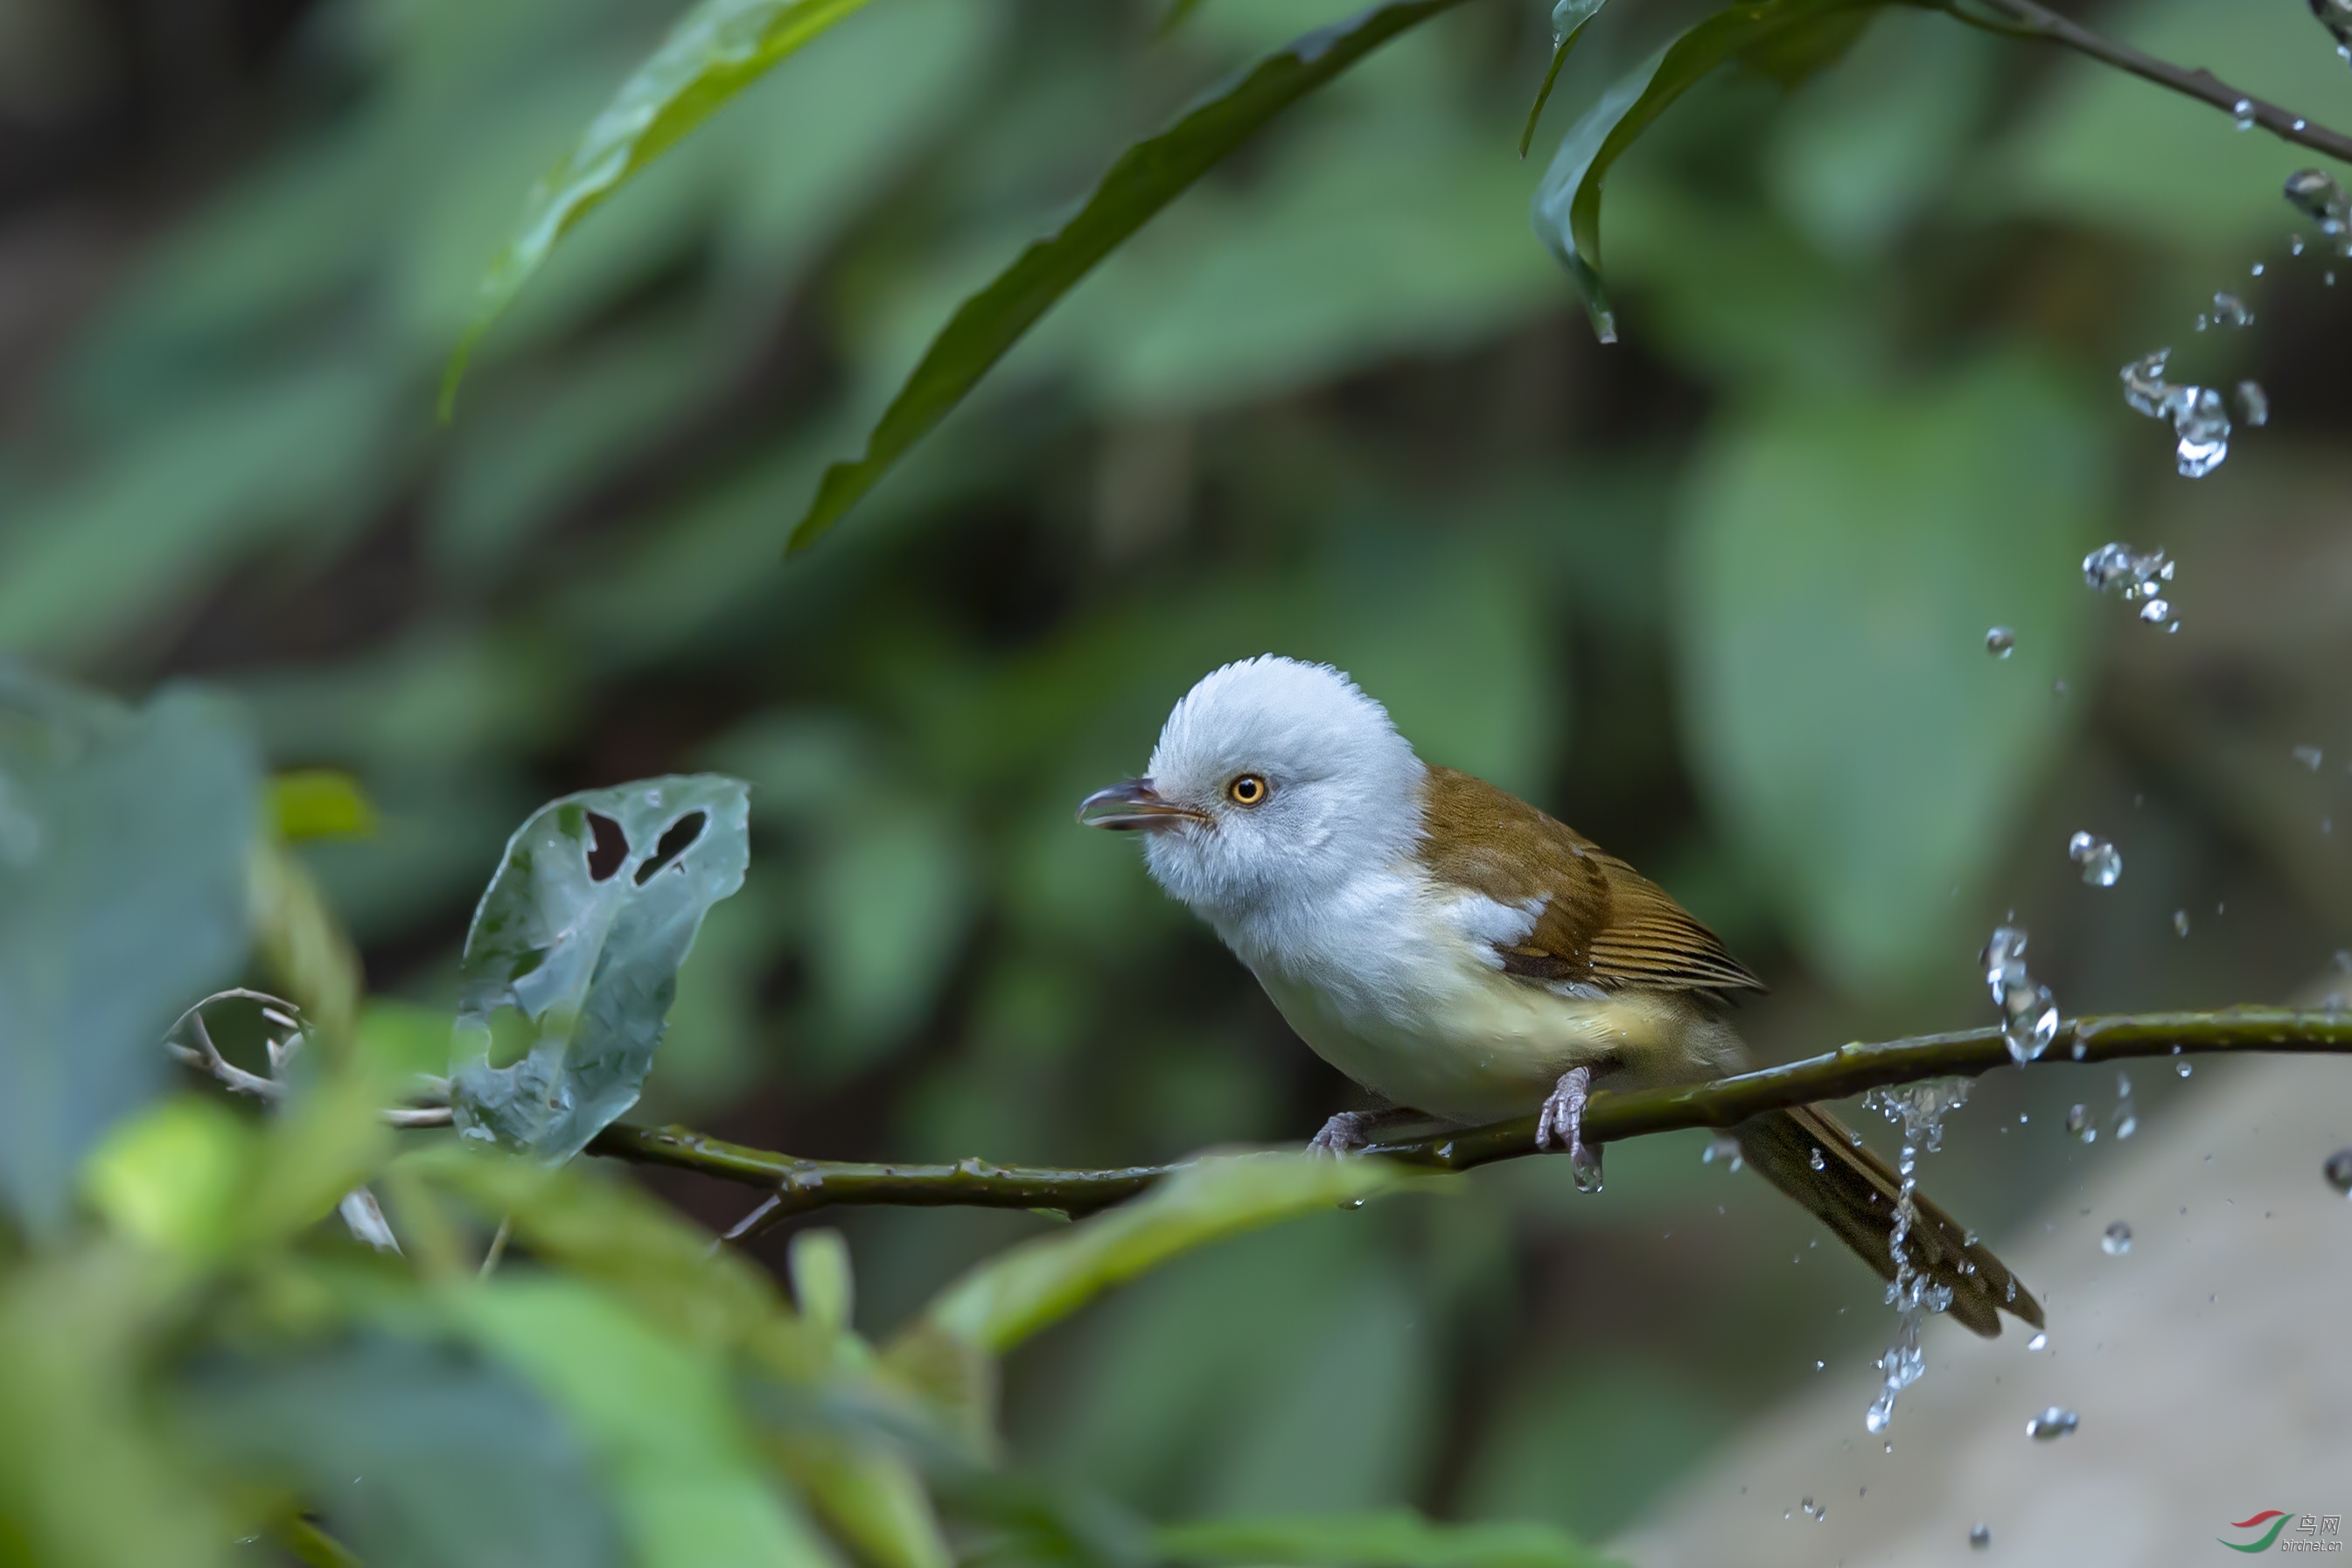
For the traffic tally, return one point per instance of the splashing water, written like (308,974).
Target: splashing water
(2053,1424)
(2116,1239)
(2253,404)
(1981,1536)
(2101,862)
(1722,1147)
(2140,577)
(2338,1171)
(2181,1068)
(2028,1012)
(1921,1107)
(2229,310)
(2037,1342)
(2001,641)
(2078,1122)
(2201,423)
(2180,921)
(2127,1114)
(2311,756)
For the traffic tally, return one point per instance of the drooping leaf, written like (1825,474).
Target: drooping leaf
(595,904)
(125,843)
(1146,178)
(714,52)
(1569,19)
(1010,1297)
(1843,558)
(416,1455)
(1786,39)
(1398,1540)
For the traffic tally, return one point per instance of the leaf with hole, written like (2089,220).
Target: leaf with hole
(577,944)
(1146,178)
(1785,39)
(125,838)
(715,51)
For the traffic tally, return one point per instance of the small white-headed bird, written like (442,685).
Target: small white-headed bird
(1468,958)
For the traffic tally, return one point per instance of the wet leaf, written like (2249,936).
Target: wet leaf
(1146,178)
(1578,15)
(715,51)
(124,841)
(1786,39)
(1009,1298)
(594,906)
(1398,1540)
(414,1455)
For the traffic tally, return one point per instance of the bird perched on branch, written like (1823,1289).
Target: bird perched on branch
(1468,958)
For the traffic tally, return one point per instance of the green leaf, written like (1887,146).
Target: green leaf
(660,1415)
(1398,1540)
(125,843)
(320,803)
(1146,178)
(1843,558)
(594,908)
(1011,1296)
(1568,23)
(415,1455)
(715,51)
(1786,39)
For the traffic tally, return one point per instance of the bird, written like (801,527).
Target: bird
(1466,958)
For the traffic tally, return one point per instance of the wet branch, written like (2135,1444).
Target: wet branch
(2023,18)
(796,1185)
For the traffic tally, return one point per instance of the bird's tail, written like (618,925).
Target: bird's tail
(1814,1158)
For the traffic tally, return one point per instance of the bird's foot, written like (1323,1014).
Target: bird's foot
(1345,1133)
(1561,1122)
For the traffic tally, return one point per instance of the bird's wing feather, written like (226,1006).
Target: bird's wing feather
(1598,922)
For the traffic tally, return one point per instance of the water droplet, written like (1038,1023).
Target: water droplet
(1981,1537)
(2311,756)
(2201,425)
(2241,114)
(2229,310)
(2052,1424)
(2030,1014)
(2001,641)
(1722,1146)
(2338,1169)
(2253,404)
(2335,15)
(2117,1239)
(2102,864)
(1568,16)
(2127,1126)
(1818,1162)
(2140,577)
(2181,1068)
(2180,921)
(2255,271)
(2037,1342)
(2315,192)
(2294,245)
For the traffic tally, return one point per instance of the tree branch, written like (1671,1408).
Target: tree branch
(797,1186)
(2023,18)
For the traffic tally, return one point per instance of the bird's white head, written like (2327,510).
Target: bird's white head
(1273,780)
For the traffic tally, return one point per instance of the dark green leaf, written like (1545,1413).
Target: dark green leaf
(715,51)
(1786,39)
(1569,19)
(415,1455)
(595,906)
(1399,1539)
(1012,1296)
(1146,178)
(125,839)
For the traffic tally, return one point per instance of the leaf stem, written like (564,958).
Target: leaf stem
(798,1185)
(2028,20)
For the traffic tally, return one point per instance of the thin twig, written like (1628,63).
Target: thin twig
(799,1185)
(2030,20)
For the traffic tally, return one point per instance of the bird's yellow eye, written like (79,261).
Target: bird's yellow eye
(1247,790)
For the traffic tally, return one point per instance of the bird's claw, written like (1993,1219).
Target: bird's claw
(1562,1122)
(1343,1134)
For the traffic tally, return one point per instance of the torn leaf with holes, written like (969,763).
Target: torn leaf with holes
(572,958)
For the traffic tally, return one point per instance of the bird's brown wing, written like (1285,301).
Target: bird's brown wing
(1602,923)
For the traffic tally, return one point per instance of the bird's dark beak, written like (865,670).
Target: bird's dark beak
(1133,806)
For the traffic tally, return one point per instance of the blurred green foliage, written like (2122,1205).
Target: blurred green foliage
(1716,595)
